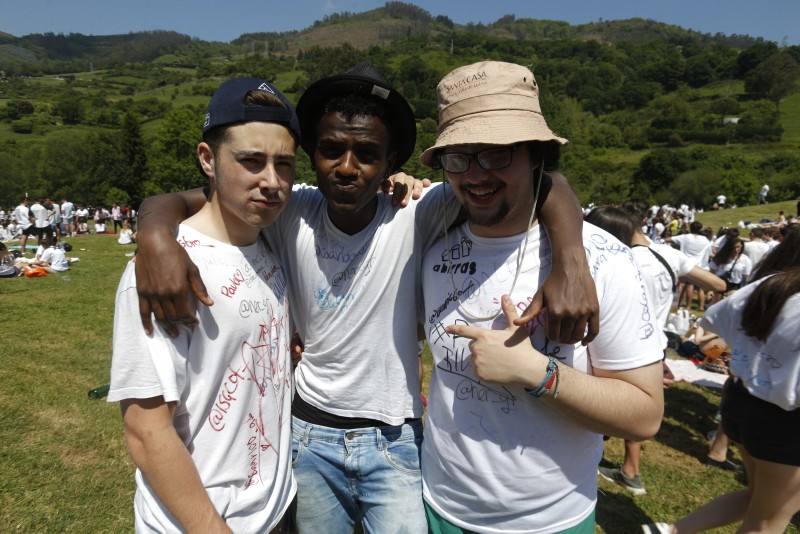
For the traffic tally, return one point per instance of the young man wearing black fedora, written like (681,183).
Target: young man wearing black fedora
(514,429)
(353,263)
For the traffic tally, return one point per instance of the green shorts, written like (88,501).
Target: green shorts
(439,525)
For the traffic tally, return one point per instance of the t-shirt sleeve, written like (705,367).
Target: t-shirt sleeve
(144,366)
(717,318)
(684,262)
(435,211)
(747,267)
(628,336)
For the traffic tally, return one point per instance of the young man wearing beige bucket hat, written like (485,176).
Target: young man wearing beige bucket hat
(513,434)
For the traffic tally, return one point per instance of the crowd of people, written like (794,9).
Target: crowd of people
(45,217)
(49,222)
(293,403)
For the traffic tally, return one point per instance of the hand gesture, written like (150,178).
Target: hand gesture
(570,299)
(167,282)
(504,356)
(403,188)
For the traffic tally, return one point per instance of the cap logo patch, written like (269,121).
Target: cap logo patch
(265,87)
(380,92)
(207,120)
(470,81)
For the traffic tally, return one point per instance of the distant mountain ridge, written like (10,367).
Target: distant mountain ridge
(377,27)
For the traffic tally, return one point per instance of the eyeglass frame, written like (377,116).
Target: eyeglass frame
(476,156)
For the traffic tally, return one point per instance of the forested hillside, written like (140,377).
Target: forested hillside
(652,110)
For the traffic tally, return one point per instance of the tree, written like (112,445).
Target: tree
(134,158)
(660,167)
(173,158)
(750,58)
(70,109)
(773,78)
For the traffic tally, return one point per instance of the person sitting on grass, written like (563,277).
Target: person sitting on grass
(126,235)
(207,413)
(53,258)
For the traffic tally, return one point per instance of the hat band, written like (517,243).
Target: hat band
(483,103)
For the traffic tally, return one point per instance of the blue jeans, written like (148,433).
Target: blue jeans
(367,475)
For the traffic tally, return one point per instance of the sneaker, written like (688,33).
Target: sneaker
(615,474)
(657,528)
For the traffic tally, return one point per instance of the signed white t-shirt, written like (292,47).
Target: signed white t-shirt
(231,377)
(769,370)
(494,459)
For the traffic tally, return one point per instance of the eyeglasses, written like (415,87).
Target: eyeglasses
(491,159)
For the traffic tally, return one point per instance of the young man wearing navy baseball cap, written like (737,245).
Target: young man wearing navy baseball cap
(207,413)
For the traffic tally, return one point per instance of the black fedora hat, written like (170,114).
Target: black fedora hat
(365,81)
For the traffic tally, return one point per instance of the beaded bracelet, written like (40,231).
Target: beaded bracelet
(551,376)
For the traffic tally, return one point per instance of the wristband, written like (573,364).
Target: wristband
(550,377)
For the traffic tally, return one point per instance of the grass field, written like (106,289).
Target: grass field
(790,118)
(731,217)
(63,463)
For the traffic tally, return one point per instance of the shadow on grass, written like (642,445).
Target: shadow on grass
(688,416)
(619,513)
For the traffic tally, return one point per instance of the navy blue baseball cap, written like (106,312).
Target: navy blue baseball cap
(228,106)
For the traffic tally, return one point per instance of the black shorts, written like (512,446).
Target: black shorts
(31,230)
(765,430)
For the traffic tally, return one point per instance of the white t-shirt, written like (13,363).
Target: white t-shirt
(696,246)
(355,300)
(40,215)
(764,190)
(56,258)
(721,200)
(655,235)
(125,236)
(22,216)
(755,250)
(769,370)
(66,210)
(658,282)
(740,269)
(494,459)
(231,377)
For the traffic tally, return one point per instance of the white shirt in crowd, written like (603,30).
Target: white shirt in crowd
(696,246)
(769,370)
(494,459)
(67,209)
(739,269)
(40,215)
(231,377)
(721,200)
(657,231)
(22,215)
(56,257)
(125,236)
(347,293)
(756,250)
(657,280)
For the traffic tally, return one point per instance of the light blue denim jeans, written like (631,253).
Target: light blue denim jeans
(368,475)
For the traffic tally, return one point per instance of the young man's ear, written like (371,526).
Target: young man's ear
(205,159)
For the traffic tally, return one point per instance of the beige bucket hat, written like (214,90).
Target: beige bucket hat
(490,102)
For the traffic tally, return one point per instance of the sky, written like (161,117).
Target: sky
(224,20)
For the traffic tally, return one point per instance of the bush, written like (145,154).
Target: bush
(22,126)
